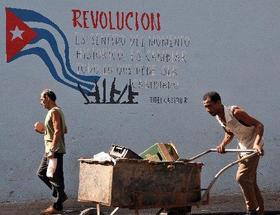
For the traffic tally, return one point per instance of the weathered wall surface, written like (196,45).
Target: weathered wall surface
(163,55)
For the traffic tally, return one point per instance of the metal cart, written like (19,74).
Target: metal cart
(173,187)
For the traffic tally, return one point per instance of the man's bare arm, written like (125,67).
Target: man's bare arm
(227,139)
(248,120)
(57,125)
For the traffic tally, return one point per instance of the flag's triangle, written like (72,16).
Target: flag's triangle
(18,34)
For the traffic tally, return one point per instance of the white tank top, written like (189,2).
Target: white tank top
(244,134)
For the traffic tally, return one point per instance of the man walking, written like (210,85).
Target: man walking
(53,129)
(249,132)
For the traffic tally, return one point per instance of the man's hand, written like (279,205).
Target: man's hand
(221,148)
(39,127)
(50,155)
(259,149)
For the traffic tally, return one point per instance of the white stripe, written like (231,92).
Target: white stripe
(61,48)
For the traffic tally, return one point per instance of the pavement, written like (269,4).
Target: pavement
(222,205)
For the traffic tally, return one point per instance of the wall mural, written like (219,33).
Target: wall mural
(108,68)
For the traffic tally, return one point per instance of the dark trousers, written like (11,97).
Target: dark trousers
(56,183)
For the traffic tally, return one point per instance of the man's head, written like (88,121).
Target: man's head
(47,98)
(212,103)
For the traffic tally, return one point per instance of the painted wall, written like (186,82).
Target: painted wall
(150,62)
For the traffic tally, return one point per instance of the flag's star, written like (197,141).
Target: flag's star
(17,33)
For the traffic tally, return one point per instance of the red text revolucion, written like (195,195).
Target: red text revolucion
(120,20)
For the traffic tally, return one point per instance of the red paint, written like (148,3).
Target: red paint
(15,45)
(75,19)
(120,20)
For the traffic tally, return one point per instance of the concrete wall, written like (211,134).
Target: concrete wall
(169,52)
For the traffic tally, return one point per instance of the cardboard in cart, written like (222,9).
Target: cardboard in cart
(160,152)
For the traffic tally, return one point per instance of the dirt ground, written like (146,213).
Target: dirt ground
(217,205)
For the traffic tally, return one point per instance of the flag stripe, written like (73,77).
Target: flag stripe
(33,19)
(45,57)
(43,34)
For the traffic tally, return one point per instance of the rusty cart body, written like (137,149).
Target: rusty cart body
(143,184)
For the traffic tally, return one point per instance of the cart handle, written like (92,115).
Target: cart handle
(205,196)
(215,150)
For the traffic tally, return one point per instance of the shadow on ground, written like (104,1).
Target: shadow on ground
(222,205)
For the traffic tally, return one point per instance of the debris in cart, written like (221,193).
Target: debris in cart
(117,151)
(103,157)
(161,152)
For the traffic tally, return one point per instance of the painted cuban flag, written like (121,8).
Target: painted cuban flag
(30,33)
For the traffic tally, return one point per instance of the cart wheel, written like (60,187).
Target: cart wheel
(180,211)
(90,211)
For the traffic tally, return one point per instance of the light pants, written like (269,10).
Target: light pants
(246,176)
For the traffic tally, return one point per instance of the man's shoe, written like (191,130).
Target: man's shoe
(64,198)
(260,211)
(251,212)
(50,210)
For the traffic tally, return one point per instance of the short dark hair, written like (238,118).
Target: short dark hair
(49,93)
(214,96)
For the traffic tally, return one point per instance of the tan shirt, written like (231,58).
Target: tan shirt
(49,132)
